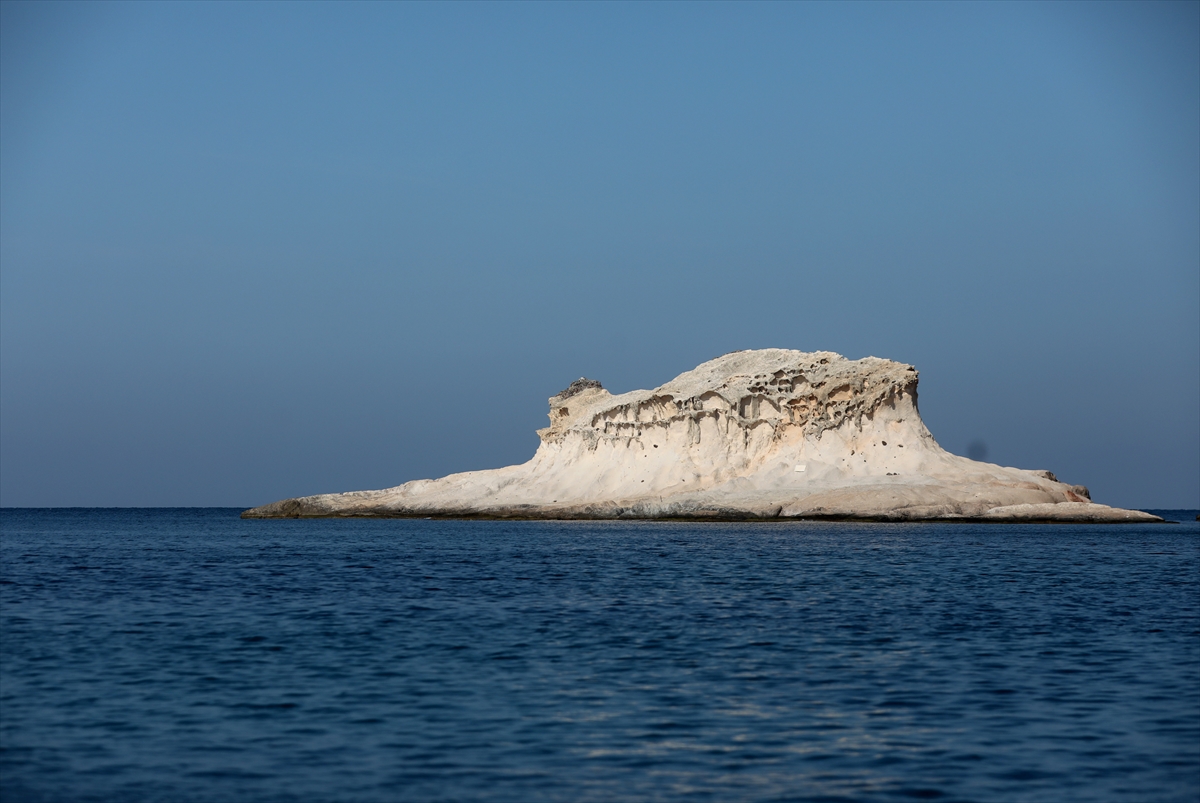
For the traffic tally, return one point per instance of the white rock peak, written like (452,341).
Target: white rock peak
(765,434)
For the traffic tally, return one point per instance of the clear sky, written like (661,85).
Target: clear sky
(252,251)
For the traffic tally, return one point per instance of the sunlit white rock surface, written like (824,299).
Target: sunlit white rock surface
(752,434)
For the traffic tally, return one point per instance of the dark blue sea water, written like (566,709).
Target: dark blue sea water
(186,655)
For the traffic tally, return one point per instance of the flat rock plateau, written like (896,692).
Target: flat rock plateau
(766,434)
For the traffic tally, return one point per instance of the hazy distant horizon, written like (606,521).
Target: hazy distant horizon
(257,251)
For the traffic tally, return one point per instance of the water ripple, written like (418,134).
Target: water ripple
(186,655)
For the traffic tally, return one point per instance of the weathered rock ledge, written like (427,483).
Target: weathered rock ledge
(769,434)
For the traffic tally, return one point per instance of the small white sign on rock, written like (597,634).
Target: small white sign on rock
(799,467)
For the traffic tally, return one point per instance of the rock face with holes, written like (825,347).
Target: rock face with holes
(752,434)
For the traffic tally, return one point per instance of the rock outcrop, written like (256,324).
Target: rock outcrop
(770,434)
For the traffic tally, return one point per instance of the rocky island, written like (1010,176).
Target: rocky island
(765,434)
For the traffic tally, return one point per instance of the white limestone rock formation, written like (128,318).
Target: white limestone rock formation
(763,434)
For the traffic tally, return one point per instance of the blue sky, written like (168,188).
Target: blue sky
(251,251)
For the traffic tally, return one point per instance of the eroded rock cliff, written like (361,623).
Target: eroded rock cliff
(771,433)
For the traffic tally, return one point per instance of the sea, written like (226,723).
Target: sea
(183,655)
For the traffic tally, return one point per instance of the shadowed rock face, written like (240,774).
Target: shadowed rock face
(772,433)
